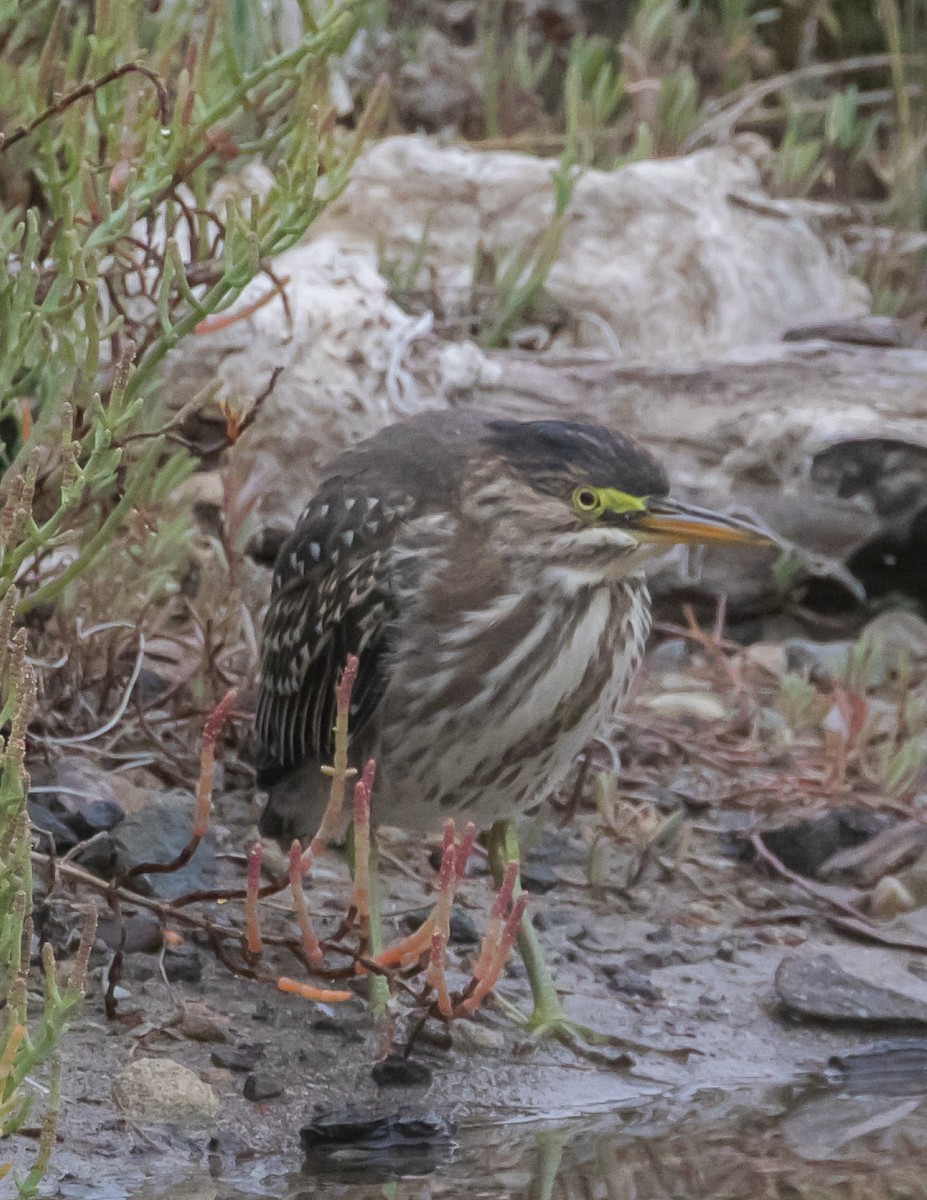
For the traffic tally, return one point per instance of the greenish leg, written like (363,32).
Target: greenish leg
(377,985)
(503,849)
(548,1017)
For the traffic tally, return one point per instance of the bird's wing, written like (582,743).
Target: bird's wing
(331,597)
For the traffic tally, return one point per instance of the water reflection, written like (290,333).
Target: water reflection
(815,1142)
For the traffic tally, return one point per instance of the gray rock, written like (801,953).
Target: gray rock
(820,988)
(396,1071)
(157,833)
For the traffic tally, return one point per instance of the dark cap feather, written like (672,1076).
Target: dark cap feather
(555,456)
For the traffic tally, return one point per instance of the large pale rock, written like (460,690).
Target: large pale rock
(159,1090)
(675,256)
(658,253)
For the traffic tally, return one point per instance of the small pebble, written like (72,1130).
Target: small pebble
(396,1071)
(261,1087)
(183,965)
(538,878)
(468,1035)
(889,898)
(237,1058)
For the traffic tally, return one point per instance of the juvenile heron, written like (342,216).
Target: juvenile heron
(488,575)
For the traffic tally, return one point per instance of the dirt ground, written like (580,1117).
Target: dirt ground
(676,952)
(666,930)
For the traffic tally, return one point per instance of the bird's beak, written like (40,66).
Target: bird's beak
(671,521)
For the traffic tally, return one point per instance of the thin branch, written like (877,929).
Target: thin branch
(88,89)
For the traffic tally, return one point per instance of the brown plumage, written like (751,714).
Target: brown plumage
(487,573)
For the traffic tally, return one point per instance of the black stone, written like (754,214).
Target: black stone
(50,823)
(625,981)
(806,845)
(99,816)
(538,877)
(237,1058)
(183,965)
(261,1087)
(396,1071)
(463,932)
(376,1146)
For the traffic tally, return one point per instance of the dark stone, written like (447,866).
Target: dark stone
(183,964)
(50,823)
(228,1145)
(142,932)
(819,988)
(149,686)
(625,981)
(265,1012)
(325,1024)
(98,856)
(237,1058)
(396,1071)
(667,955)
(156,834)
(462,930)
(805,846)
(261,1087)
(538,877)
(96,816)
(378,1146)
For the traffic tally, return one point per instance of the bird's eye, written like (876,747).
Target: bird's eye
(587,501)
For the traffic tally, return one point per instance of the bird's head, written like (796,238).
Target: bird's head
(587,500)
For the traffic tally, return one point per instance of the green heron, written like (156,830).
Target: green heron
(488,575)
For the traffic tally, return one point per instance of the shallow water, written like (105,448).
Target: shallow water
(814,1141)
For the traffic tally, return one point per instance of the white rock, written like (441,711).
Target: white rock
(655,257)
(660,250)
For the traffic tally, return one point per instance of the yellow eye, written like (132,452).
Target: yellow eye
(587,501)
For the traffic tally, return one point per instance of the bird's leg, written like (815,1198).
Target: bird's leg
(503,851)
(548,1017)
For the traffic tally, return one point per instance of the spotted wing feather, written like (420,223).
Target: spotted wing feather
(331,597)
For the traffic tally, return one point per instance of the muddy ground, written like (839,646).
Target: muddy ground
(669,937)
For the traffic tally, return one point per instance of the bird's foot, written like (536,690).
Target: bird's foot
(548,1020)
